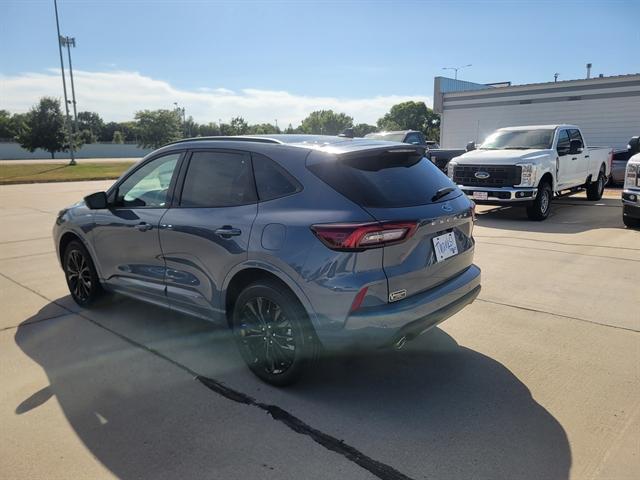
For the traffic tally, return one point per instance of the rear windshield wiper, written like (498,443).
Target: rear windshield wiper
(443,192)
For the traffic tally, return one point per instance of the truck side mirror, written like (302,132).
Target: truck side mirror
(575,146)
(471,146)
(96,201)
(634,145)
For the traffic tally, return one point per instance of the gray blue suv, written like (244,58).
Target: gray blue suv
(299,244)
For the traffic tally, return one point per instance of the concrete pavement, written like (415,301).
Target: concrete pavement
(539,379)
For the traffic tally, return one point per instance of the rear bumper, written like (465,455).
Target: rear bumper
(387,324)
(501,195)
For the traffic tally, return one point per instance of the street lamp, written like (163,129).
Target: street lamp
(71,42)
(184,118)
(455,69)
(64,88)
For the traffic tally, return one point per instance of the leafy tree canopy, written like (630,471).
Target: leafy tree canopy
(411,116)
(44,127)
(325,122)
(157,127)
(90,121)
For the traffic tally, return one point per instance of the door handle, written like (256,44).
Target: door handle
(228,231)
(574,158)
(143,227)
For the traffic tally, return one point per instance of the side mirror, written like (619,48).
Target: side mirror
(96,201)
(634,145)
(575,146)
(471,146)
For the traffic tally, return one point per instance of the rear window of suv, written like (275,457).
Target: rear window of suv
(384,180)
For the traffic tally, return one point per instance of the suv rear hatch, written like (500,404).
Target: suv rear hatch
(401,186)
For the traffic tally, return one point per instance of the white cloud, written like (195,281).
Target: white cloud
(117,95)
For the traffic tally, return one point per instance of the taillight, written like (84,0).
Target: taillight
(359,236)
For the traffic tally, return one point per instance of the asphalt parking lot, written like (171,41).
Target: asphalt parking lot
(538,379)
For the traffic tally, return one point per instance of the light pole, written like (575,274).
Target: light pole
(184,118)
(71,42)
(64,88)
(455,69)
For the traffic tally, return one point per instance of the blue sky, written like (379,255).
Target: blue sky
(343,51)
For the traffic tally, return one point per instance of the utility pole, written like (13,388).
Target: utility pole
(64,88)
(71,42)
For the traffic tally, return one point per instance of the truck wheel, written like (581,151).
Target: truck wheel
(596,189)
(541,206)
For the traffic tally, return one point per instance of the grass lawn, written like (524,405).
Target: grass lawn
(43,172)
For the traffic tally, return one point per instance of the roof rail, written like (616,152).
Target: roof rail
(239,138)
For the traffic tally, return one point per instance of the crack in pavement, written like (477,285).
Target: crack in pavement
(505,237)
(608,257)
(379,469)
(568,317)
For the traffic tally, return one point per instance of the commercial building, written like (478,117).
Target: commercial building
(606,108)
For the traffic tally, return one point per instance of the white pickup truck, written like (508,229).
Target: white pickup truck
(528,166)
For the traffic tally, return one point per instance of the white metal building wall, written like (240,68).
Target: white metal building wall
(608,121)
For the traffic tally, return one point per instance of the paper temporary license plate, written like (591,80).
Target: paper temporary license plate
(480,195)
(445,246)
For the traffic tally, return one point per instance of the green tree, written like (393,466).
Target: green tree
(86,136)
(263,129)
(209,130)
(325,122)
(190,127)
(157,127)
(238,126)
(361,129)
(44,128)
(411,116)
(118,137)
(91,121)
(6,127)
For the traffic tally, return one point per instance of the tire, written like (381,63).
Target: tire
(541,206)
(631,222)
(80,274)
(273,333)
(596,189)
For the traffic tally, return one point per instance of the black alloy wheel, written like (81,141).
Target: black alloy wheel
(80,274)
(273,333)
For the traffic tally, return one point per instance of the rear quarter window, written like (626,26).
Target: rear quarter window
(384,180)
(272,181)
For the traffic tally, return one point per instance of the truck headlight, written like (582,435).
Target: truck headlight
(631,177)
(528,176)
(450,168)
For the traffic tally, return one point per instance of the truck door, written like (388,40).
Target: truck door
(581,158)
(566,166)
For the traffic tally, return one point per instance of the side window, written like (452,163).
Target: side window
(218,179)
(563,142)
(149,185)
(272,180)
(575,135)
(413,138)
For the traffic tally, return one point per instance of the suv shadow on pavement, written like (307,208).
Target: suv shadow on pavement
(433,410)
(568,215)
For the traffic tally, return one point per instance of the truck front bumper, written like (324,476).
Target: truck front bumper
(631,203)
(500,195)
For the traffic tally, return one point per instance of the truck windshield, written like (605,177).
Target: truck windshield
(519,139)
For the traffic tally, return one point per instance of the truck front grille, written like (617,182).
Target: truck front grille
(498,175)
